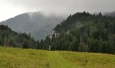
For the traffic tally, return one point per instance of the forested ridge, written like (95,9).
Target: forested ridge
(10,38)
(83,32)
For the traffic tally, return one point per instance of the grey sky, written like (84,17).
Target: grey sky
(14,7)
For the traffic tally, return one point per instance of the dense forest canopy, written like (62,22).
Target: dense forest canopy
(84,32)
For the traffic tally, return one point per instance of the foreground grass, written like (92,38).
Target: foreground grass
(30,58)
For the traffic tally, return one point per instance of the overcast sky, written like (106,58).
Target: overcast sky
(11,8)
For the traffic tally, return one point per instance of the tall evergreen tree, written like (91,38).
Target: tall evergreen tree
(25,44)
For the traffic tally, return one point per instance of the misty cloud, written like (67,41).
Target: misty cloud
(66,6)
(14,7)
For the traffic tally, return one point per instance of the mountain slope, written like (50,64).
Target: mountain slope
(29,58)
(84,32)
(35,23)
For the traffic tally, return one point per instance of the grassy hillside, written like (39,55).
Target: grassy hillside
(29,58)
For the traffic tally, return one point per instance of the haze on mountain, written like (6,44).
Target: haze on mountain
(11,8)
(37,24)
(110,14)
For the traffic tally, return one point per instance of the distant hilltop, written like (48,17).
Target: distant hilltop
(37,24)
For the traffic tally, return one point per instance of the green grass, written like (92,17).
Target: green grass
(31,58)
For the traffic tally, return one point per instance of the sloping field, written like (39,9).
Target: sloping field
(31,58)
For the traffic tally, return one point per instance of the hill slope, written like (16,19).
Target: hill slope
(29,58)
(84,32)
(35,23)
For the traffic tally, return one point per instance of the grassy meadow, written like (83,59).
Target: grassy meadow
(32,58)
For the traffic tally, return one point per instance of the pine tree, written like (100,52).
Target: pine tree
(25,44)
(1,42)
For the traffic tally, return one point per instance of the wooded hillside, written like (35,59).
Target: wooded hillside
(84,32)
